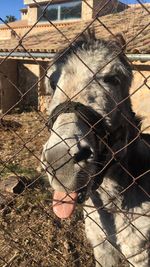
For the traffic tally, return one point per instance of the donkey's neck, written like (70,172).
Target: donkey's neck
(127,180)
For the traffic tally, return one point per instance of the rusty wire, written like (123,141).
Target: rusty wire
(16,239)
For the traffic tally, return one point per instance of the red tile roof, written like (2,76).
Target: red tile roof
(15,24)
(134,23)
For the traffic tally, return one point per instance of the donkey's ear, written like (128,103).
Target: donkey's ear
(51,79)
(120,40)
(89,35)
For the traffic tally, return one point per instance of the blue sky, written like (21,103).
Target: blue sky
(12,7)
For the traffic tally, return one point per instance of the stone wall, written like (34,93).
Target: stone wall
(43,99)
(28,76)
(32,15)
(140,93)
(19,86)
(9,95)
(87,12)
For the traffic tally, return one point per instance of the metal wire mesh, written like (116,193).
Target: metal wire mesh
(112,155)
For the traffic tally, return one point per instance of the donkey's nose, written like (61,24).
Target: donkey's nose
(84,154)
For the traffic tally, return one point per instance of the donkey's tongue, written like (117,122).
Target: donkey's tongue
(64,204)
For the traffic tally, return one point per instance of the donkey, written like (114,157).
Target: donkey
(95,153)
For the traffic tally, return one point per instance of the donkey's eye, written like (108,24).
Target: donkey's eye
(111,79)
(53,79)
(52,84)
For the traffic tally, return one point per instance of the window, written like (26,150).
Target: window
(70,11)
(64,11)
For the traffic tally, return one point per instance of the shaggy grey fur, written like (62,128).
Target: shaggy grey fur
(97,74)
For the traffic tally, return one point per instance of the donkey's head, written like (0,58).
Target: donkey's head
(90,107)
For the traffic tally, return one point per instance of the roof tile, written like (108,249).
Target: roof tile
(134,23)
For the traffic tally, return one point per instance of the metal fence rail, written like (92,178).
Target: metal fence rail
(30,233)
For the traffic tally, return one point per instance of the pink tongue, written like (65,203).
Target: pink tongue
(64,204)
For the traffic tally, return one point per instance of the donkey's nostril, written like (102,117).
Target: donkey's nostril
(84,154)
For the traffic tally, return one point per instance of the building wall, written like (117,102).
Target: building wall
(28,76)
(87,10)
(5,34)
(32,15)
(8,85)
(140,91)
(19,85)
(24,14)
(33,11)
(43,99)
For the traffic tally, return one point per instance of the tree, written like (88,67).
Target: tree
(10,19)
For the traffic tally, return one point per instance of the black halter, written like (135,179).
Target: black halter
(89,116)
(96,123)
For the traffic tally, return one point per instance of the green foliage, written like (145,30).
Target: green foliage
(17,169)
(10,18)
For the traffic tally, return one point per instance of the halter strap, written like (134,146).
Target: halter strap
(89,116)
(96,123)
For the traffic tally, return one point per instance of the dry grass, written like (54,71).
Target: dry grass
(30,234)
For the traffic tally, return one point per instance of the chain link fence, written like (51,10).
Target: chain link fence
(30,232)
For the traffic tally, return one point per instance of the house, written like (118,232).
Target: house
(61,10)
(30,44)
(40,12)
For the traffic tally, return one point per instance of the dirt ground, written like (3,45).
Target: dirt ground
(30,234)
